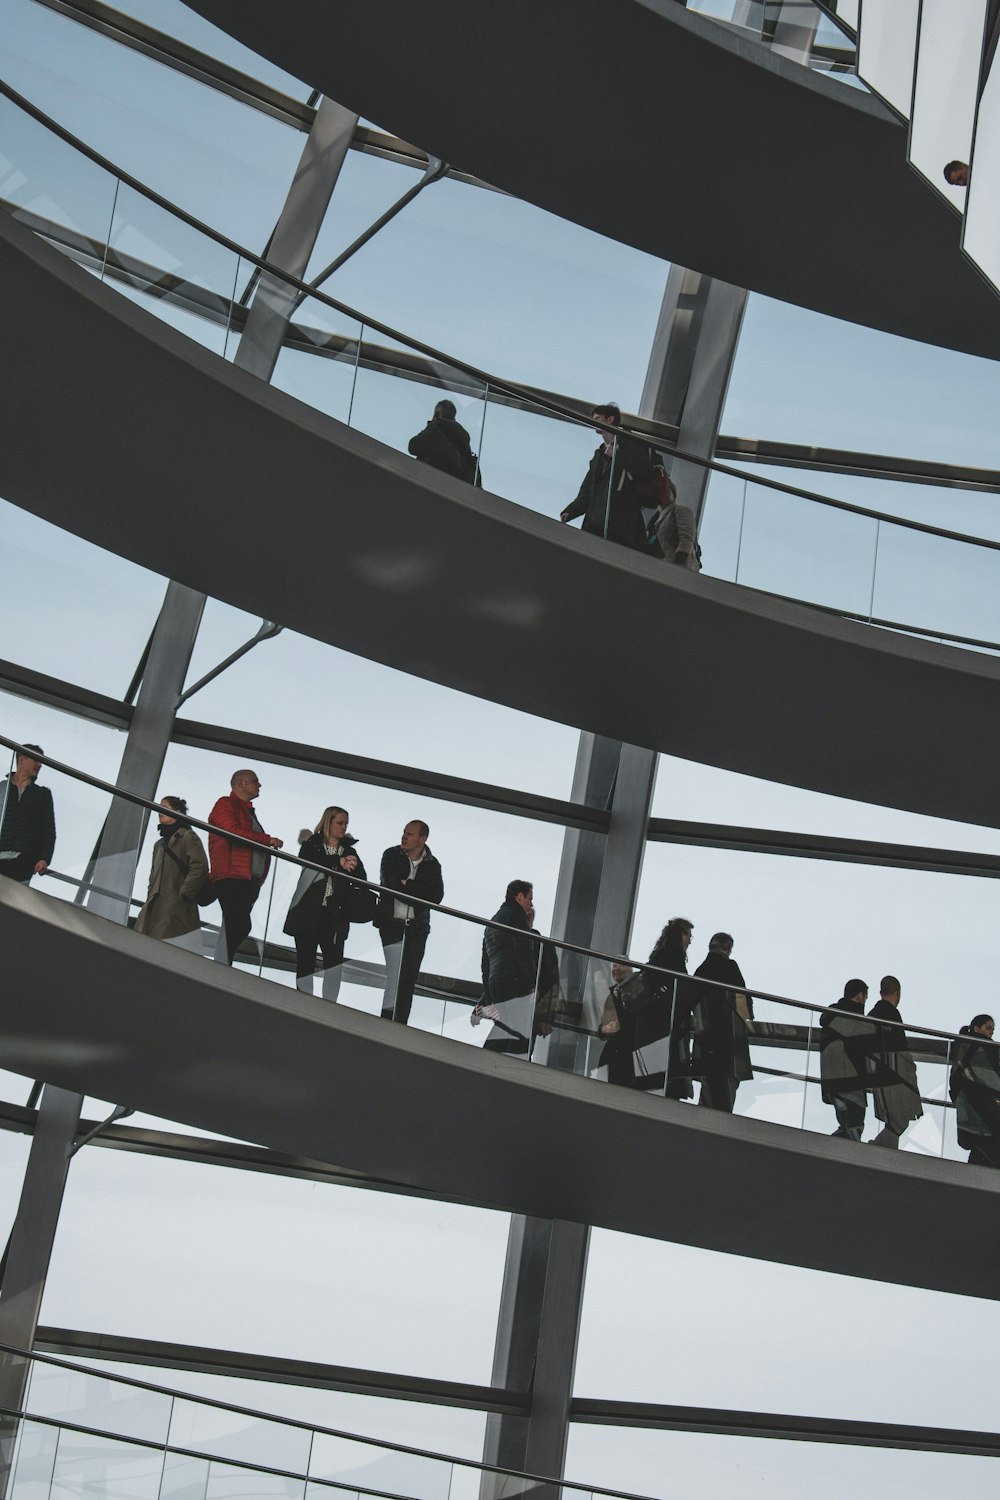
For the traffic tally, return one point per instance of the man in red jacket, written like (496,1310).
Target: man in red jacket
(237,872)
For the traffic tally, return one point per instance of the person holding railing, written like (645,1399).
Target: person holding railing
(323,907)
(843,1064)
(237,873)
(177,877)
(974,1087)
(27,820)
(893,1082)
(607,498)
(720,1047)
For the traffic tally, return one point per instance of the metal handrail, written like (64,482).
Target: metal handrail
(563,944)
(544,402)
(291,1422)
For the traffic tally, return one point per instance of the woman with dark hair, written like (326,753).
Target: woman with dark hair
(445,445)
(318,914)
(668,1012)
(975,1092)
(177,875)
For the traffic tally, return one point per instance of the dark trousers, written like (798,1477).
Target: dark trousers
(22,868)
(236,897)
(986,1153)
(403,944)
(331,945)
(718,1091)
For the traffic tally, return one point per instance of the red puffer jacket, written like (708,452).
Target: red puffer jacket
(233,861)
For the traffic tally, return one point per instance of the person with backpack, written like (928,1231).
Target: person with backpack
(445,445)
(610,499)
(178,875)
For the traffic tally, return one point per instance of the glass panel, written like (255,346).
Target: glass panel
(52,188)
(175,271)
(370,1468)
(887,49)
(89,1400)
(233,1436)
(981,238)
(34,1462)
(184,1478)
(102,1466)
(949,49)
(228,1482)
(936,584)
(790,546)
(531,457)
(319,359)
(396,399)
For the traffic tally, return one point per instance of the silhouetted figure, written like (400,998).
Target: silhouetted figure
(237,873)
(617,1026)
(607,499)
(845,1038)
(670,1004)
(445,445)
(27,820)
(893,1080)
(408,868)
(975,1091)
(518,970)
(319,913)
(177,876)
(720,1047)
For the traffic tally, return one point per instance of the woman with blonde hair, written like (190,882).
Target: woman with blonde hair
(319,914)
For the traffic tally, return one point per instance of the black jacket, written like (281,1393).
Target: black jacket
(510,960)
(719,1045)
(311,907)
(28,821)
(610,498)
(428,883)
(445,445)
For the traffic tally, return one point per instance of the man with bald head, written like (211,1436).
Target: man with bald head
(236,871)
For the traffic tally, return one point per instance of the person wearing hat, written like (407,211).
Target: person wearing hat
(843,1063)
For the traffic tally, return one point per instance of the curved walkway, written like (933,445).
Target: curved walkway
(125,432)
(657,127)
(122,1018)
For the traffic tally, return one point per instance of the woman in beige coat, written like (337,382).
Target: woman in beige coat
(179,870)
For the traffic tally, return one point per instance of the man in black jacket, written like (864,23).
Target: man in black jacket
(608,500)
(516,966)
(410,868)
(445,444)
(27,820)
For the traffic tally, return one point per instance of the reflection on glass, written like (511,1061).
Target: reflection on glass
(371,1468)
(90,1400)
(237,1437)
(887,50)
(48,185)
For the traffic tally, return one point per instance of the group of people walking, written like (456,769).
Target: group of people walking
(626,495)
(657,1031)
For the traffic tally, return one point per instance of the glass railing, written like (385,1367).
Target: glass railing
(82,1432)
(496,984)
(521,445)
(798,29)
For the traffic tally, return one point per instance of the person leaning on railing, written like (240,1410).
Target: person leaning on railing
(974,1087)
(237,873)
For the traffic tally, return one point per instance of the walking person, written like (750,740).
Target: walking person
(319,915)
(843,1063)
(237,873)
(974,1087)
(894,1086)
(410,869)
(27,820)
(445,445)
(516,967)
(675,532)
(720,1046)
(617,1026)
(607,499)
(669,1011)
(177,876)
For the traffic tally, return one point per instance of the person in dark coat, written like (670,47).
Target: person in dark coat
(408,868)
(445,445)
(607,499)
(843,1064)
(974,1087)
(27,820)
(720,1047)
(516,967)
(668,1012)
(317,916)
(177,875)
(893,1081)
(617,1025)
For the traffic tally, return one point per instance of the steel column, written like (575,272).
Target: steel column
(30,1250)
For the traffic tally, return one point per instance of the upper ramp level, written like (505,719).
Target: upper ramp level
(127,433)
(656,127)
(96,1008)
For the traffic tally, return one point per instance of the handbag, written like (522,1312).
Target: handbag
(360,903)
(634,995)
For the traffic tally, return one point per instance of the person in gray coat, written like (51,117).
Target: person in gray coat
(178,873)
(894,1073)
(676,532)
(843,1062)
